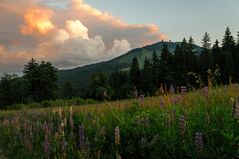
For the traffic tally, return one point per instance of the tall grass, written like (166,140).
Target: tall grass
(192,125)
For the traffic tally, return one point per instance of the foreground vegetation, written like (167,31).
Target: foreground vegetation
(195,125)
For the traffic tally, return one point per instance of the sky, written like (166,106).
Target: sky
(71,33)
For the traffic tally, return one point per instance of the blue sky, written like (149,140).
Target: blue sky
(176,18)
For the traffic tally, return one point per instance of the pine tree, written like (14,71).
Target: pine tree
(155,70)
(178,67)
(166,69)
(191,60)
(135,75)
(147,77)
(190,63)
(205,61)
(237,59)
(228,52)
(217,57)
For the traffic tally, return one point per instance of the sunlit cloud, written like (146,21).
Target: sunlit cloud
(74,36)
(37,21)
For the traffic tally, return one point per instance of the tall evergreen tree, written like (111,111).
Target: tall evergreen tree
(135,76)
(237,59)
(42,79)
(228,52)
(147,83)
(166,70)
(205,62)
(191,60)
(178,67)
(155,71)
(217,57)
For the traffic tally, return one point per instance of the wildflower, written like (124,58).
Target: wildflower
(71,112)
(141,99)
(177,98)
(162,104)
(199,142)
(232,100)
(98,154)
(168,121)
(236,110)
(205,91)
(135,93)
(182,125)
(207,119)
(60,112)
(71,124)
(46,128)
(65,122)
(82,144)
(144,121)
(47,148)
(63,146)
(117,135)
(183,89)
(171,89)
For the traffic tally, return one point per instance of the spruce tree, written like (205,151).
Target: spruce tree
(155,70)
(205,61)
(237,59)
(228,52)
(135,77)
(147,77)
(178,67)
(166,70)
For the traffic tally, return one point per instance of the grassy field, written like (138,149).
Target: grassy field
(192,125)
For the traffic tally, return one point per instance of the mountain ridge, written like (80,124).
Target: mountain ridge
(80,76)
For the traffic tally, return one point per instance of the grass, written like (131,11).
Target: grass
(168,126)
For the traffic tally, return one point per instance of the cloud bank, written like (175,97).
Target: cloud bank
(73,36)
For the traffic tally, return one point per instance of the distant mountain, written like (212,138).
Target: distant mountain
(80,76)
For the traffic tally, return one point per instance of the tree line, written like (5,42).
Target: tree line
(214,64)
(38,83)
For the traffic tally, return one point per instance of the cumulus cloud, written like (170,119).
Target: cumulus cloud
(74,36)
(37,21)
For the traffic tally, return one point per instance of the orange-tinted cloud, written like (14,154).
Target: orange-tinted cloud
(75,36)
(37,21)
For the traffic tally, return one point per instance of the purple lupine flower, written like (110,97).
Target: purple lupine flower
(236,110)
(141,99)
(82,137)
(199,143)
(183,90)
(171,89)
(162,104)
(205,91)
(47,147)
(182,125)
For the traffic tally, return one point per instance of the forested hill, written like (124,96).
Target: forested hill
(80,77)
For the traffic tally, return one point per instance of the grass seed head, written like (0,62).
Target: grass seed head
(117,136)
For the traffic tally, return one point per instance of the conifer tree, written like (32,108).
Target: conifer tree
(205,61)
(147,77)
(135,76)
(166,70)
(155,70)
(228,52)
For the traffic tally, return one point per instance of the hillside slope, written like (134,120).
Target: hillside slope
(80,77)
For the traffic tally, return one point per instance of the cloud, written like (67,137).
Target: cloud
(37,22)
(74,36)
(119,47)
(76,29)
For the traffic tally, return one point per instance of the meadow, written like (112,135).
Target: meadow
(198,124)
